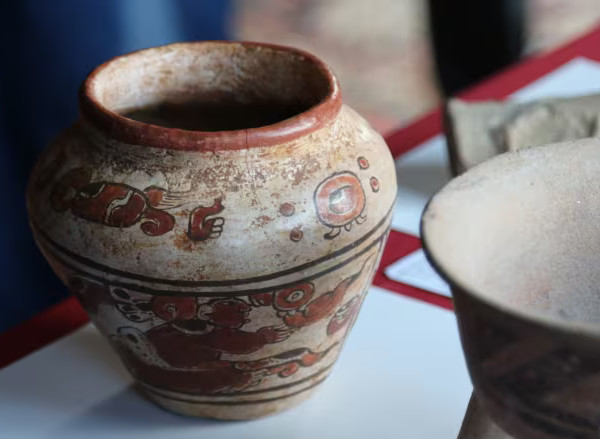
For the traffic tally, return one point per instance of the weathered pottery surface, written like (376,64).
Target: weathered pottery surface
(225,267)
(478,424)
(517,239)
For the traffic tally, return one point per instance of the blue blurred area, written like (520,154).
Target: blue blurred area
(47,49)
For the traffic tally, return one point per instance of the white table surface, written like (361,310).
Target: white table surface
(401,374)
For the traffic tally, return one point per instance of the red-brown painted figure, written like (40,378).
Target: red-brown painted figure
(287,363)
(188,341)
(296,307)
(111,204)
(183,349)
(214,376)
(200,227)
(121,205)
(344,315)
(185,353)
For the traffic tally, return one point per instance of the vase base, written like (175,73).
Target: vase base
(230,410)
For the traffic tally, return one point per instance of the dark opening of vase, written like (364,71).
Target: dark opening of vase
(215,116)
(213,87)
(250,94)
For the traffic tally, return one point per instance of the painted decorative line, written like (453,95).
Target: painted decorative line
(168,359)
(180,283)
(258,401)
(166,393)
(153,291)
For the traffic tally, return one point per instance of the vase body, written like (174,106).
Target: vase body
(225,268)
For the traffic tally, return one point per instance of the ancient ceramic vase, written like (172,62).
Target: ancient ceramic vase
(517,239)
(219,214)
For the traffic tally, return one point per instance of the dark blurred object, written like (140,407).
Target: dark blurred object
(47,50)
(473,39)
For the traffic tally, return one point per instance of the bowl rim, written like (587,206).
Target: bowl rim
(457,286)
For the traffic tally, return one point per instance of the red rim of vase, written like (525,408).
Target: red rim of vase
(121,128)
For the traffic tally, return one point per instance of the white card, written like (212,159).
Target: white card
(415,270)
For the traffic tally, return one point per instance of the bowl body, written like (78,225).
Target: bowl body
(516,237)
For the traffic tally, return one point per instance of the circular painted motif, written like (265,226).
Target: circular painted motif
(294,297)
(339,199)
(363,163)
(374,184)
(296,234)
(287,209)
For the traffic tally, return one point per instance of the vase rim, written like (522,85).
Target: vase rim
(121,128)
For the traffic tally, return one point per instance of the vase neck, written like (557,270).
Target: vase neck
(210,96)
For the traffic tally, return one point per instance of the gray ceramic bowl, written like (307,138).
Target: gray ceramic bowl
(518,239)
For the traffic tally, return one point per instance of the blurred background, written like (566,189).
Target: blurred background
(396,59)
